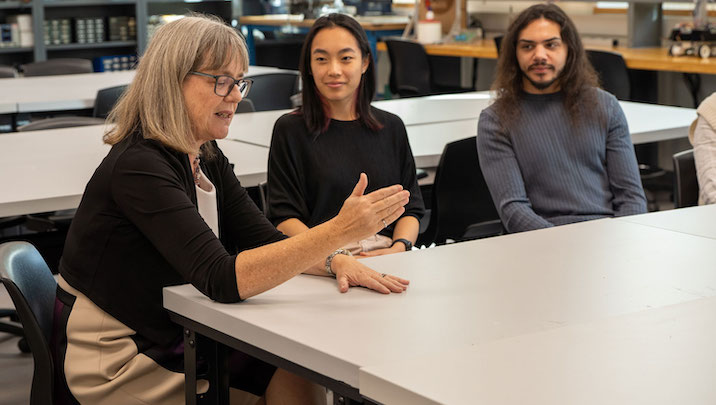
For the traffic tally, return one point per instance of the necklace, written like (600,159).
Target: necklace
(196,169)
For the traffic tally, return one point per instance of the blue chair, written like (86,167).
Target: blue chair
(31,287)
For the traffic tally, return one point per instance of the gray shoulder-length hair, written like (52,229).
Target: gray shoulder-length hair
(154,102)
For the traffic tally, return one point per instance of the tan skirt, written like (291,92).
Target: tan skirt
(102,364)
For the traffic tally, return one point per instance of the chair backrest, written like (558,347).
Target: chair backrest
(31,287)
(410,72)
(686,186)
(60,122)
(62,66)
(460,194)
(106,99)
(7,71)
(612,71)
(245,106)
(498,43)
(273,91)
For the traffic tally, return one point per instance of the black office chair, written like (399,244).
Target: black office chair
(686,186)
(498,43)
(273,91)
(612,71)
(106,99)
(410,72)
(245,106)
(7,71)
(31,287)
(462,208)
(62,66)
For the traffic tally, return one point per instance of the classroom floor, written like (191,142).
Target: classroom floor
(15,366)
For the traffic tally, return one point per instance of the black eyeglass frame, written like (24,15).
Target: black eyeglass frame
(235,82)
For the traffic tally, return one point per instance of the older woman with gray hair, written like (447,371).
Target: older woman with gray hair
(164,208)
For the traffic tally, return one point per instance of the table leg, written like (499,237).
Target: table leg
(251,44)
(190,366)
(373,41)
(218,372)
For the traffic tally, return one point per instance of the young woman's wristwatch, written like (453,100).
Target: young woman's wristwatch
(408,244)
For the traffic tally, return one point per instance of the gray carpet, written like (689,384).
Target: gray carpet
(15,367)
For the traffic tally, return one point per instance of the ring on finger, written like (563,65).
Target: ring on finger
(383,275)
(384,224)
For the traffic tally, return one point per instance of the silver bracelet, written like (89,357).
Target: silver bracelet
(329,259)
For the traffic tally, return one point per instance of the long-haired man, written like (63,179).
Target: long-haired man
(553,147)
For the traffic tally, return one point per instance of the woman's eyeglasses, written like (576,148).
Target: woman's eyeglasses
(223,84)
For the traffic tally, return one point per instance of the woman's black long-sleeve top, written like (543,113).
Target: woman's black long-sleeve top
(138,229)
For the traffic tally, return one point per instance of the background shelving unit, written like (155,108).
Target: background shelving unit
(141,10)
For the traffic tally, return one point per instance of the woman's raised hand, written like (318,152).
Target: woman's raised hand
(363,215)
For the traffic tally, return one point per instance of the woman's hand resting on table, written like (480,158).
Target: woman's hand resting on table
(352,273)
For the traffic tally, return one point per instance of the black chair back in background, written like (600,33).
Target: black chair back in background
(460,198)
(273,91)
(7,71)
(686,186)
(613,73)
(410,71)
(32,288)
(245,106)
(62,66)
(498,43)
(106,99)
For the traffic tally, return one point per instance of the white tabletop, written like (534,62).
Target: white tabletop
(466,294)
(657,356)
(434,109)
(48,170)
(699,221)
(68,92)
(434,121)
(63,92)
(249,161)
(655,123)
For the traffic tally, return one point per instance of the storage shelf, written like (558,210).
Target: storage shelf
(84,3)
(16,50)
(96,45)
(13,5)
(188,1)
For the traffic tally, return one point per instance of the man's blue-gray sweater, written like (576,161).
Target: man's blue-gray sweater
(543,171)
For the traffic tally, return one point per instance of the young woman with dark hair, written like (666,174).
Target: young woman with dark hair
(318,151)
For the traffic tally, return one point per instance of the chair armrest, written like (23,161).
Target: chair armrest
(484,229)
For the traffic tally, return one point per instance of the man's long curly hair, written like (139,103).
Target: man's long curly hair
(578,80)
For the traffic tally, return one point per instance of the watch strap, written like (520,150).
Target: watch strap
(408,244)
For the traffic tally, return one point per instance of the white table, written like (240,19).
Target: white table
(68,92)
(698,221)
(62,92)
(48,170)
(658,356)
(461,295)
(434,121)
